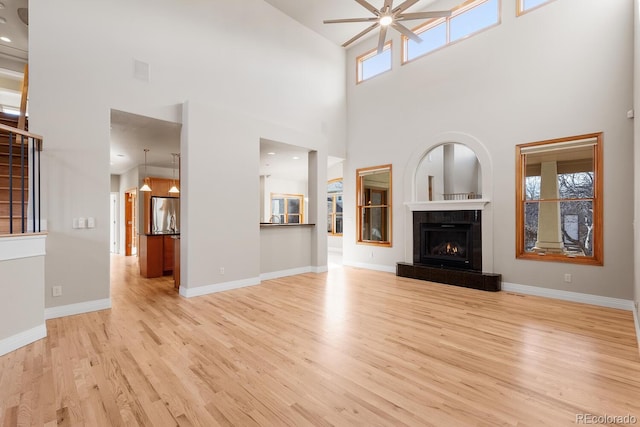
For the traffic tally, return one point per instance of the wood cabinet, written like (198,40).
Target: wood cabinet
(176,262)
(156,255)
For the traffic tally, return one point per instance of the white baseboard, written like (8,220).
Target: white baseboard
(218,287)
(376,267)
(79,308)
(619,303)
(636,321)
(21,339)
(320,269)
(284,273)
(294,271)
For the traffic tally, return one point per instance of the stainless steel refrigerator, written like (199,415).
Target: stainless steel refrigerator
(165,215)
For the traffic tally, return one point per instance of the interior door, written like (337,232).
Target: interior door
(131,241)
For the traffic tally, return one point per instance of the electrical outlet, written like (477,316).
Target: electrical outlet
(221,270)
(56,291)
(567,278)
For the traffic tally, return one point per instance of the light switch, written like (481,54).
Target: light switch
(82,223)
(91,222)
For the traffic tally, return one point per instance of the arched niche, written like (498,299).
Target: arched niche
(449,171)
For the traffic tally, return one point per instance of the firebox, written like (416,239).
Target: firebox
(446,244)
(449,239)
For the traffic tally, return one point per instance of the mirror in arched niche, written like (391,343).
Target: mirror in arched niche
(450,171)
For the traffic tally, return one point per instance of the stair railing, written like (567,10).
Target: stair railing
(26,159)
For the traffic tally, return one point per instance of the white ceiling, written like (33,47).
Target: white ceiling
(131,134)
(12,27)
(311,13)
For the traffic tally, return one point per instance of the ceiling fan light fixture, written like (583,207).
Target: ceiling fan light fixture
(386,20)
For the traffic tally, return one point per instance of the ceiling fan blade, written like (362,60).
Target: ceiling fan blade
(369,7)
(424,15)
(404,6)
(387,6)
(406,32)
(340,21)
(360,34)
(383,36)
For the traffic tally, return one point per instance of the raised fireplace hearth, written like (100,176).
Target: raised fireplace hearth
(447,248)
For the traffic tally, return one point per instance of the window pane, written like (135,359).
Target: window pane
(293,219)
(576,185)
(330,204)
(293,206)
(339,203)
(277,206)
(530,225)
(532,188)
(432,39)
(576,222)
(474,19)
(375,65)
(334,187)
(374,222)
(329,223)
(530,4)
(338,229)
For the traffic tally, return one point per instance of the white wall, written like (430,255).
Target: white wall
(511,84)
(247,72)
(636,170)
(22,304)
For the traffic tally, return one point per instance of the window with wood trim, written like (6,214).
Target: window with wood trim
(466,20)
(334,207)
(524,6)
(287,208)
(559,200)
(373,63)
(373,217)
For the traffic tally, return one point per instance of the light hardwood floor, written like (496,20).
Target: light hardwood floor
(350,347)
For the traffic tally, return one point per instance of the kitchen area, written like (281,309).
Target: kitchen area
(145,189)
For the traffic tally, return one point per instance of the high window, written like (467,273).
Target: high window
(559,200)
(287,208)
(373,63)
(334,207)
(466,20)
(373,191)
(527,5)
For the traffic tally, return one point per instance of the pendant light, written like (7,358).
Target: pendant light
(145,186)
(174,189)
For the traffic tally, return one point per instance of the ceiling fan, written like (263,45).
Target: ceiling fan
(388,16)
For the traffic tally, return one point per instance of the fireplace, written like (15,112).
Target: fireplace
(450,239)
(447,248)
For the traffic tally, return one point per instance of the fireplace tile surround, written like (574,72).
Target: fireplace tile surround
(459,271)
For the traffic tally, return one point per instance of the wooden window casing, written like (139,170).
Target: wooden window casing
(284,215)
(360,60)
(596,258)
(520,7)
(374,201)
(433,23)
